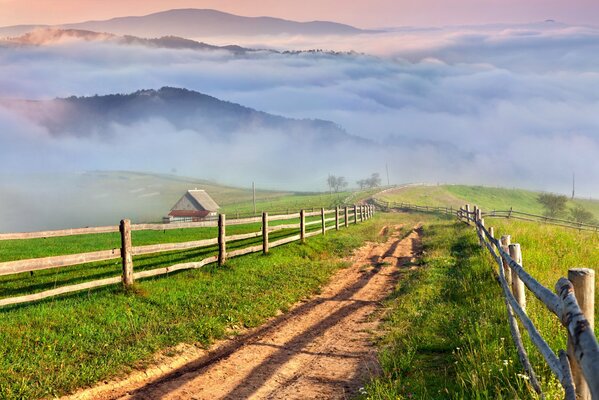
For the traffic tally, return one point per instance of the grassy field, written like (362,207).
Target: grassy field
(55,346)
(446,328)
(485,197)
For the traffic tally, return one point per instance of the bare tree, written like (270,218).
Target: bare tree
(336,183)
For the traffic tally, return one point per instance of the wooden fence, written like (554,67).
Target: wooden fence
(341,217)
(573,302)
(508,214)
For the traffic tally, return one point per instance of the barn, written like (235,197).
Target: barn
(195,205)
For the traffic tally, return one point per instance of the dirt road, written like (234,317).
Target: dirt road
(321,349)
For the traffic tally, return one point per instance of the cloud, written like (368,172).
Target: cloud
(497,105)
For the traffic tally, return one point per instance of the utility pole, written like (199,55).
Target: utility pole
(254,195)
(573,184)
(388,182)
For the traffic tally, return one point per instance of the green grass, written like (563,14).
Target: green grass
(446,332)
(58,345)
(446,335)
(487,198)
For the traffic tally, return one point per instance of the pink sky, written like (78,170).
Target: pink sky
(361,13)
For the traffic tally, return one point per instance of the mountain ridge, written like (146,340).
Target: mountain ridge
(192,22)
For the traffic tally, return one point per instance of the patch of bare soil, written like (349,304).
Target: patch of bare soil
(321,349)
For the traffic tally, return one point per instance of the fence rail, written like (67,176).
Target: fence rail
(127,250)
(572,302)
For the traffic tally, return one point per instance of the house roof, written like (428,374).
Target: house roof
(203,200)
(199,199)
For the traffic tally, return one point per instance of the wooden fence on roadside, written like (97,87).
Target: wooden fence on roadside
(340,217)
(573,302)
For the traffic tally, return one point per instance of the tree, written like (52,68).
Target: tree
(336,183)
(581,214)
(374,180)
(362,183)
(554,204)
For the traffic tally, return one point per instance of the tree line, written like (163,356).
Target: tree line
(555,206)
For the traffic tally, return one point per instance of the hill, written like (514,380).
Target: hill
(184,109)
(488,198)
(49,36)
(193,23)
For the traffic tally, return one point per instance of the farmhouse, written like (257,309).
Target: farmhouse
(195,205)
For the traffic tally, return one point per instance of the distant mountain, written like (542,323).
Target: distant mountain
(184,109)
(47,36)
(195,23)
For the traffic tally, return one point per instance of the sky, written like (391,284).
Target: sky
(361,13)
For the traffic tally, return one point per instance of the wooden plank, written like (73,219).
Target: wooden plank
(244,221)
(244,236)
(62,290)
(282,227)
(313,214)
(247,250)
(160,248)
(283,217)
(285,241)
(58,233)
(329,220)
(313,223)
(37,264)
(168,227)
(174,268)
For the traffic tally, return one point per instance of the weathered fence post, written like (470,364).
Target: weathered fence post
(518,288)
(337,218)
(126,253)
(355,214)
(222,245)
(346,214)
(324,224)
(303,226)
(482,232)
(468,214)
(492,234)
(583,280)
(506,240)
(265,232)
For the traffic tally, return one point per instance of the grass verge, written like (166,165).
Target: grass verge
(446,330)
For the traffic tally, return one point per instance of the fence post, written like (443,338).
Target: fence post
(346,222)
(468,214)
(355,214)
(482,232)
(492,233)
(506,240)
(518,288)
(264,232)
(303,226)
(222,245)
(583,280)
(126,253)
(324,226)
(337,218)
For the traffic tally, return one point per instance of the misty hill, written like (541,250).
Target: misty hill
(48,36)
(192,23)
(112,195)
(184,109)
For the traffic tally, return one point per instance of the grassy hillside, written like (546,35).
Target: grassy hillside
(487,198)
